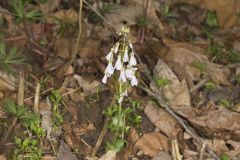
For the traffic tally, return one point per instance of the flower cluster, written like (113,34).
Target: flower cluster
(125,63)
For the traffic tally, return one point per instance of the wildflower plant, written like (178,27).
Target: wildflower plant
(121,64)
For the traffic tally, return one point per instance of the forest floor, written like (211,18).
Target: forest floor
(183,105)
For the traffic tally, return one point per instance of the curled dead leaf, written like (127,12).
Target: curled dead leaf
(162,120)
(152,143)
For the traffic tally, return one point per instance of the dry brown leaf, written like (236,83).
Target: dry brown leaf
(218,119)
(235,149)
(110,155)
(218,73)
(175,92)
(49,6)
(226,10)
(7,82)
(218,145)
(83,129)
(185,55)
(3,157)
(88,87)
(64,70)
(162,120)
(65,152)
(162,156)
(152,143)
(70,14)
(46,124)
(63,47)
(90,49)
(130,12)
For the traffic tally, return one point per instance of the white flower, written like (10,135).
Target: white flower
(118,64)
(109,70)
(125,56)
(130,45)
(109,56)
(133,60)
(134,81)
(104,80)
(116,47)
(120,99)
(129,73)
(122,76)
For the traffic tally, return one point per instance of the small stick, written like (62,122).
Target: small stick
(79,33)
(48,90)
(36,99)
(202,152)
(199,85)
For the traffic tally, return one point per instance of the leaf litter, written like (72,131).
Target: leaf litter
(176,43)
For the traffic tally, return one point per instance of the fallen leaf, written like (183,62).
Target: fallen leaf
(64,70)
(218,120)
(218,145)
(162,120)
(110,155)
(162,156)
(49,6)
(7,82)
(65,153)
(88,87)
(63,47)
(3,157)
(225,10)
(46,124)
(152,143)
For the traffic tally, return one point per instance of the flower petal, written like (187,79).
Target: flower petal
(109,56)
(109,69)
(125,56)
(133,60)
(122,76)
(104,80)
(118,64)
(134,81)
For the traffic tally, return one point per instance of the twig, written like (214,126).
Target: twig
(202,152)
(48,90)
(199,85)
(36,98)
(74,54)
(187,128)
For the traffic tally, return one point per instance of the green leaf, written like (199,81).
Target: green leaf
(11,107)
(212,20)
(29,118)
(117,145)
(224,156)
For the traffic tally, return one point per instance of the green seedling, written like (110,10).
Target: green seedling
(224,103)
(168,14)
(57,101)
(161,82)
(121,123)
(106,8)
(216,52)
(27,149)
(237,78)
(20,13)
(141,21)
(209,86)
(200,66)
(64,25)
(224,156)
(21,113)
(9,58)
(211,19)
(233,55)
